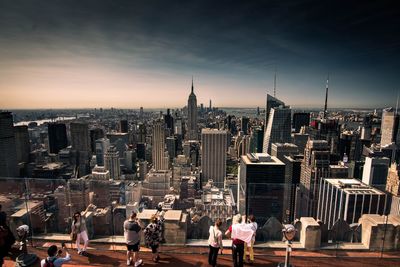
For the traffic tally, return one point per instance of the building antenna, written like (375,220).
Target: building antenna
(326,98)
(275,83)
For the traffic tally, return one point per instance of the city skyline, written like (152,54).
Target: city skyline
(80,55)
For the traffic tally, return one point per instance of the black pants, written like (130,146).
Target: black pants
(212,256)
(237,255)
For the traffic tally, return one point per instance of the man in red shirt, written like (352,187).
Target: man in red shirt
(237,244)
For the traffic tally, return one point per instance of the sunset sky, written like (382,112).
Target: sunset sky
(127,54)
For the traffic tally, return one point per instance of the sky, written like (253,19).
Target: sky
(127,54)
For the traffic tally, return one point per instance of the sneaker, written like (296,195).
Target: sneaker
(138,263)
(80,252)
(128,262)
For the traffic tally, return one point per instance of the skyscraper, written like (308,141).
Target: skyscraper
(95,134)
(213,155)
(300,119)
(111,162)
(192,116)
(389,127)
(22,143)
(376,171)
(80,136)
(314,167)
(272,102)
(278,127)
(123,126)
(261,186)
(57,137)
(244,125)
(160,161)
(8,153)
(102,146)
(348,200)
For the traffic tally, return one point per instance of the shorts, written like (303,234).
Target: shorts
(154,248)
(133,248)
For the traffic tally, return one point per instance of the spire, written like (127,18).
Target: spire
(192,84)
(275,83)
(326,98)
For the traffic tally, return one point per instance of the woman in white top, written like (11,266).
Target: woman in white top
(215,242)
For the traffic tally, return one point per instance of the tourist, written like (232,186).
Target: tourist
(54,257)
(132,228)
(251,222)
(153,234)
(7,238)
(79,231)
(239,234)
(214,242)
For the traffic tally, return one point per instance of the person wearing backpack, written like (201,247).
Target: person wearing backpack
(215,242)
(54,259)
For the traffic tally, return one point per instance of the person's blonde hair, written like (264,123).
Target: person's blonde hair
(237,219)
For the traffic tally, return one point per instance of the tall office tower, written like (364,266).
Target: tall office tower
(350,144)
(192,116)
(80,136)
(158,148)
(257,138)
(102,146)
(278,127)
(141,113)
(169,122)
(178,129)
(272,102)
(57,137)
(300,119)
(375,171)
(191,150)
(389,127)
(213,155)
(244,125)
(261,191)
(171,147)
(244,146)
(141,151)
(123,126)
(8,153)
(292,180)
(280,150)
(210,108)
(95,134)
(348,200)
(156,186)
(141,138)
(111,162)
(300,140)
(23,147)
(340,170)
(393,188)
(314,167)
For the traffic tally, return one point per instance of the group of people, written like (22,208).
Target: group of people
(243,238)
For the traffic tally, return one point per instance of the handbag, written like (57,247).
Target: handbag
(73,236)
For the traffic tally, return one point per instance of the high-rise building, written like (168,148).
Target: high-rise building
(160,162)
(111,162)
(257,138)
(375,171)
(8,153)
(280,150)
(213,155)
(314,167)
(393,180)
(300,119)
(123,126)
(80,136)
(171,147)
(244,125)
(389,127)
(169,122)
(272,102)
(192,116)
(261,186)
(23,147)
(95,134)
(292,180)
(57,137)
(348,200)
(102,146)
(141,138)
(278,128)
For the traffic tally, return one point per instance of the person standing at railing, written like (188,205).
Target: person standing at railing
(79,231)
(132,228)
(153,234)
(214,242)
(251,222)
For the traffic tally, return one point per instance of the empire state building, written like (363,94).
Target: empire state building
(192,116)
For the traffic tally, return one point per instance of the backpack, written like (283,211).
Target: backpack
(48,263)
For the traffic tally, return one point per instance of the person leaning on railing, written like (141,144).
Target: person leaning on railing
(214,242)
(153,234)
